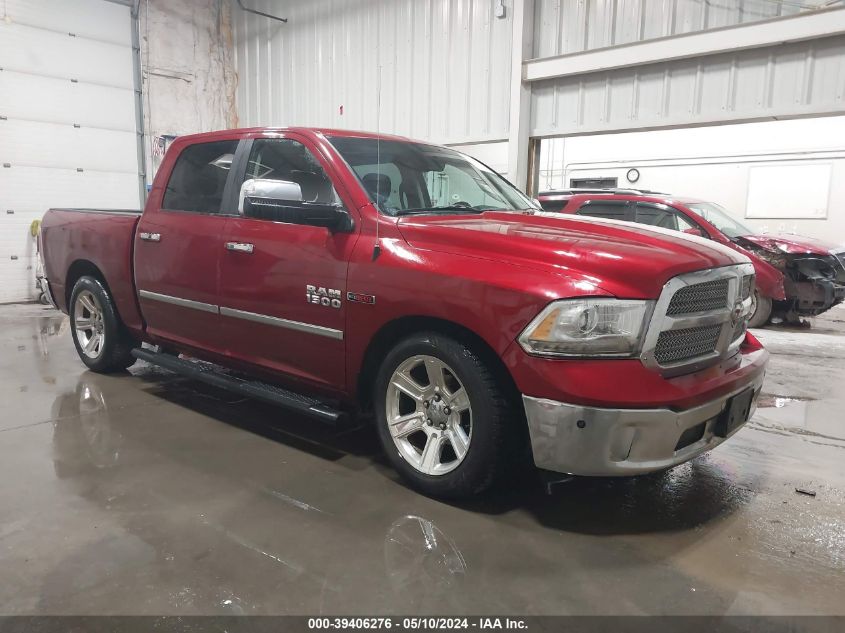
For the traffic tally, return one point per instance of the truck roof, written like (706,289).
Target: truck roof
(307,131)
(627,194)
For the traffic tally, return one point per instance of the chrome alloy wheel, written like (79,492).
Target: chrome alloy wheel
(429,415)
(88,323)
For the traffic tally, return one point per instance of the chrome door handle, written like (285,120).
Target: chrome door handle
(240,247)
(150,237)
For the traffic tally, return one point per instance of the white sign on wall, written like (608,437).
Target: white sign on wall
(795,191)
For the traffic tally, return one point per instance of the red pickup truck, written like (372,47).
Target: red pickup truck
(794,276)
(333,272)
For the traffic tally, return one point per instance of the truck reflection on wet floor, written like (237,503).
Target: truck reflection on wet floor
(103,456)
(680,498)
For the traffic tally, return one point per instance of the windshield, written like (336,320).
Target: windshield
(405,178)
(720,218)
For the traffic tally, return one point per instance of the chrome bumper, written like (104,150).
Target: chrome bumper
(589,441)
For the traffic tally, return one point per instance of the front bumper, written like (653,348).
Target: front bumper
(582,440)
(814,297)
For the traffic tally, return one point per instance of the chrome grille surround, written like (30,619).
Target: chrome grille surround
(697,339)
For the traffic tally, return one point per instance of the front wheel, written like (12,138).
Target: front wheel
(98,334)
(443,420)
(761,310)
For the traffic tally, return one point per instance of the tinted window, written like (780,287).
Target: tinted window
(199,177)
(291,161)
(553,205)
(609,210)
(664,218)
(655,216)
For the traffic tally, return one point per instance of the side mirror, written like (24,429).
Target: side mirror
(281,201)
(694,230)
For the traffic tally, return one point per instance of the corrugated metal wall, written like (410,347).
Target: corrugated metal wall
(572,26)
(806,78)
(444,66)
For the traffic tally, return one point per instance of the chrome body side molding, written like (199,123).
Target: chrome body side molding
(299,326)
(178,301)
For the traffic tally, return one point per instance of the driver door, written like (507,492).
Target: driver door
(283,285)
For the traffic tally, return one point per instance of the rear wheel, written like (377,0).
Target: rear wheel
(761,310)
(442,418)
(98,334)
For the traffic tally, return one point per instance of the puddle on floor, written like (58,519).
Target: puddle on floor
(812,419)
(768,400)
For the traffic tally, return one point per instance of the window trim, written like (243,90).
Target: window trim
(162,207)
(231,192)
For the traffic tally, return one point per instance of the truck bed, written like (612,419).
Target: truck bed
(76,241)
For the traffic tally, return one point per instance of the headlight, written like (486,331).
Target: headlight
(593,326)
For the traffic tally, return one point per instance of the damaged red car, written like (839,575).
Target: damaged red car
(796,276)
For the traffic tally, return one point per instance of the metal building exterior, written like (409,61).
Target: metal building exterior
(431,69)
(587,66)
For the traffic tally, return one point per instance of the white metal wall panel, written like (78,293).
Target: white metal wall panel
(430,69)
(67,121)
(801,79)
(571,26)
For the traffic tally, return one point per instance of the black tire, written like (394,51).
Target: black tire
(495,420)
(114,353)
(762,307)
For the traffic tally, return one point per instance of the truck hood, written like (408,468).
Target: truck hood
(624,259)
(791,244)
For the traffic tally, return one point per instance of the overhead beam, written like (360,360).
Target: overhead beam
(797,28)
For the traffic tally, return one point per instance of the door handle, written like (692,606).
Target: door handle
(240,247)
(150,237)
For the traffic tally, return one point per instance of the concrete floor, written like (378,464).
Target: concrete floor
(149,494)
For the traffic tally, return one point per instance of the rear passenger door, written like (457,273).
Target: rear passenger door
(178,246)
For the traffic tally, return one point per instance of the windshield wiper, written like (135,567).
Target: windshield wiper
(444,209)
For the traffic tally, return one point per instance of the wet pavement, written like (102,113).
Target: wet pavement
(146,493)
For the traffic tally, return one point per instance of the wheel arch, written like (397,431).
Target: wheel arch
(80,268)
(84,267)
(394,331)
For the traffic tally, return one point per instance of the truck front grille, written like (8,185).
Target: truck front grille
(696,321)
(674,346)
(710,295)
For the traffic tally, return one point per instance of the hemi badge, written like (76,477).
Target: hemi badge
(359,297)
